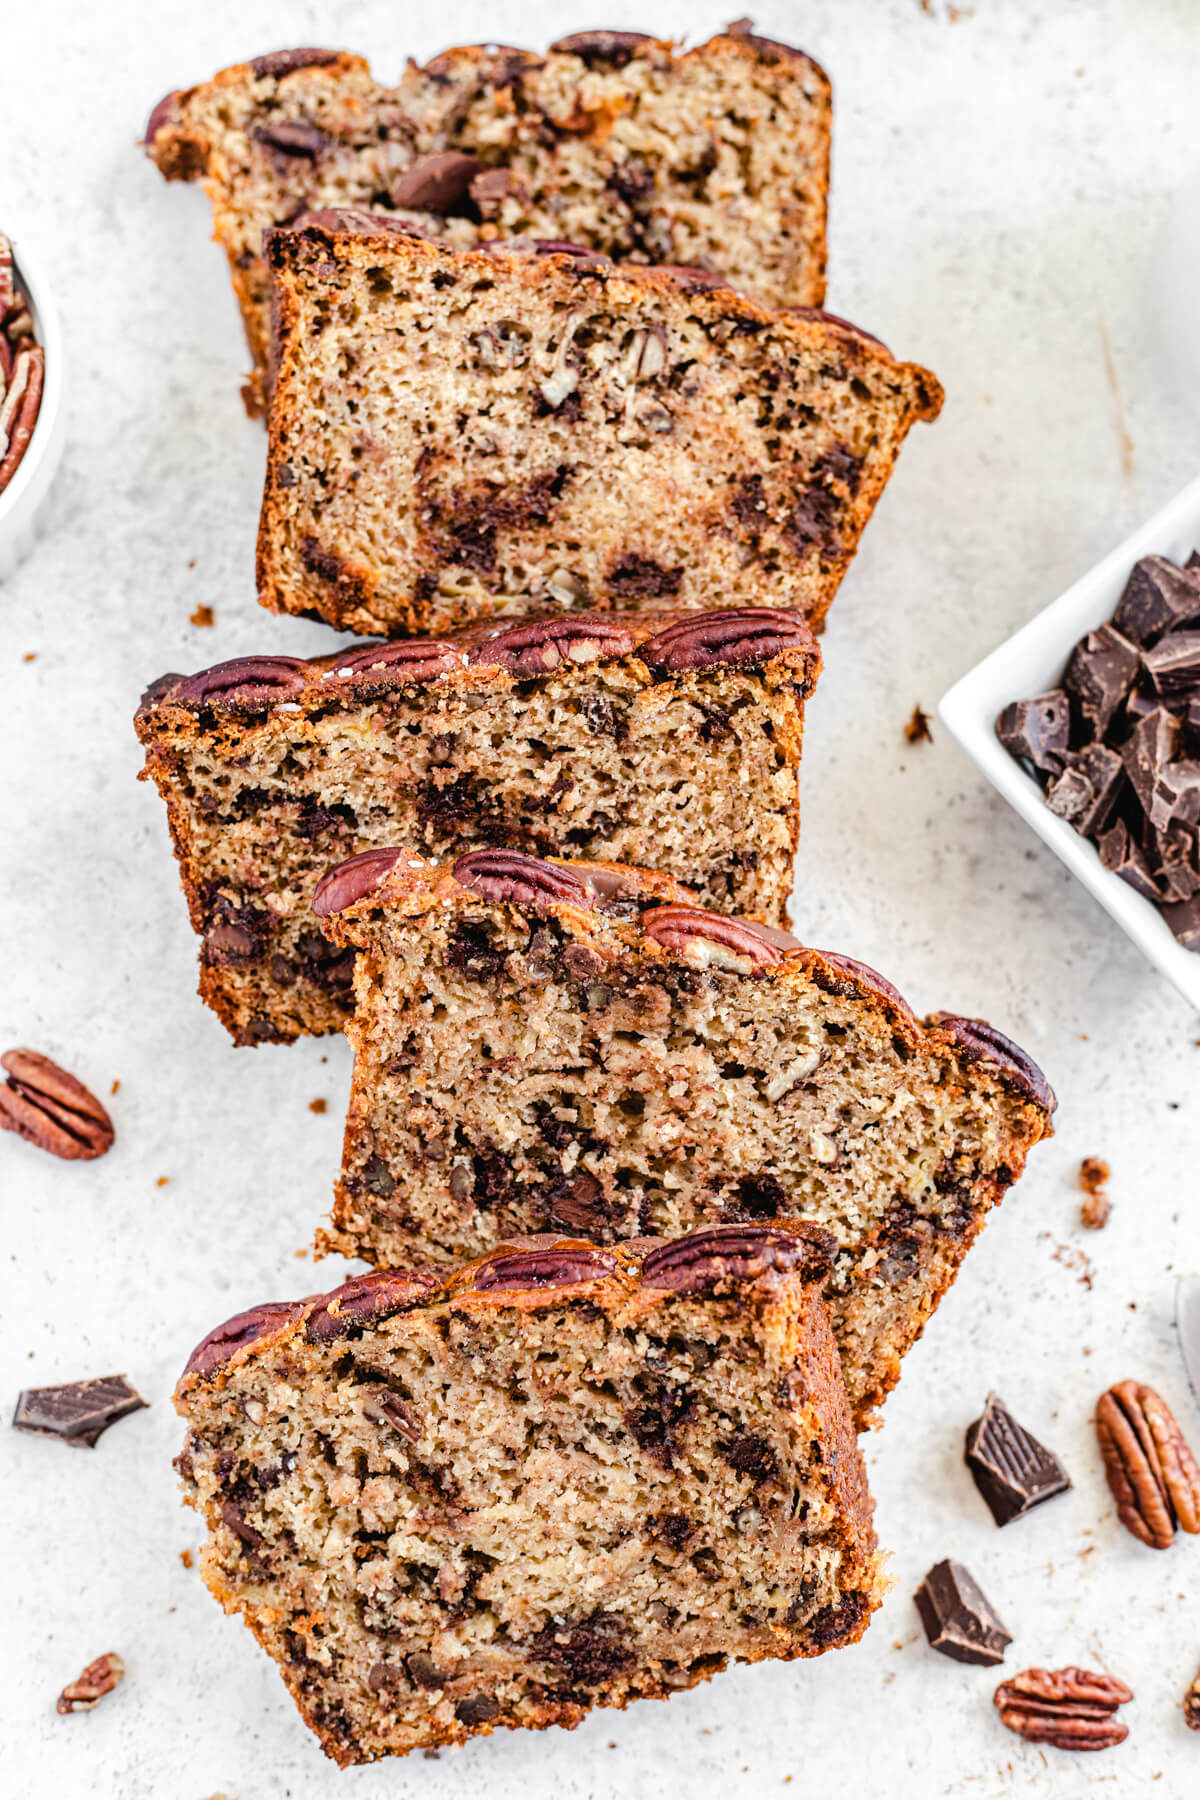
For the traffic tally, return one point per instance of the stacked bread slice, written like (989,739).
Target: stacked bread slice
(655,1198)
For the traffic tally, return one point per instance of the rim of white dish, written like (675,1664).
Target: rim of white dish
(48,333)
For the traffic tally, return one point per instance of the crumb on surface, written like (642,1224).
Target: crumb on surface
(162,1181)
(115,1088)
(186,1558)
(918,731)
(29,656)
(1097,1207)
(203,615)
(317,1106)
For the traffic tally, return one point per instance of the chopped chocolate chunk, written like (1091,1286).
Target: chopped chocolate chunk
(1012,1471)
(1070,795)
(1157,598)
(959,1619)
(78,1412)
(1104,772)
(1149,750)
(1176,794)
(1038,730)
(1173,665)
(1100,673)
(1121,853)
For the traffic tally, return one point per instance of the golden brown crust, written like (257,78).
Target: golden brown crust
(486,97)
(775,1268)
(314,261)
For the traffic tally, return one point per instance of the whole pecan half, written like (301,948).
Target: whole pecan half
(1069,1708)
(539,646)
(49,1108)
(353,879)
(419,659)
(282,62)
(868,976)
(256,681)
(615,47)
(224,1341)
(987,1045)
(719,1253)
(525,880)
(99,1678)
(706,940)
(366,1300)
(1151,1471)
(738,636)
(1191,1706)
(555,1266)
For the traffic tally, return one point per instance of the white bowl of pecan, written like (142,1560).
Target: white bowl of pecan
(32,418)
(1031,667)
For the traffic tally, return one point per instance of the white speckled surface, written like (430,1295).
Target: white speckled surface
(1001,179)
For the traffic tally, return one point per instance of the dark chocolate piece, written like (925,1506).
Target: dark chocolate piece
(1101,672)
(78,1412)
(1123,855)
(1070,795)
(959,1619)
(1037,731)
(1157,598)
(1184,920)
(1176,794)
(1012,1471)
(1173,665)
(439,183)
(1151,747)
(1104,772)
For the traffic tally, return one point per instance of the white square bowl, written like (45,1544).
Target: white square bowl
(1033,661)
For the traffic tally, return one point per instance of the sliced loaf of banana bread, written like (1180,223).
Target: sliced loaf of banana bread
(543,1043)
(716,156)
(642,737)
(456,435)
(559,1478)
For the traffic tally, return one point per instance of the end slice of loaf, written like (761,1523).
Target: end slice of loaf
(716,156)
(658,738)
(562,1477)
(538,1043)
(455,436)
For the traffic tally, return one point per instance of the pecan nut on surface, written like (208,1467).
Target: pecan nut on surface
(49,1108)
(1072,1709)
(1151,1471)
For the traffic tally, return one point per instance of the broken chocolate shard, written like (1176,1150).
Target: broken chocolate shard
(1101,671)
(1151,747)
(1123,855)
(1071,795)
(1176,794)
(1158,598)
(1104,772)
(1037,731)
(78,1412)
(1173,665)
(1012,1471)
(958,1617)
(1184,920)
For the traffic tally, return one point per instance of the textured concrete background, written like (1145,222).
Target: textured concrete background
(1002,174)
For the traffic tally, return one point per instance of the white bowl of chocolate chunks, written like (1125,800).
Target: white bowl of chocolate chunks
(1088,722)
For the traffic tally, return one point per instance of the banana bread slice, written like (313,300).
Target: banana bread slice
(644,737)
(456,435)
(716,156)
(562,1477)
(543,1043)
